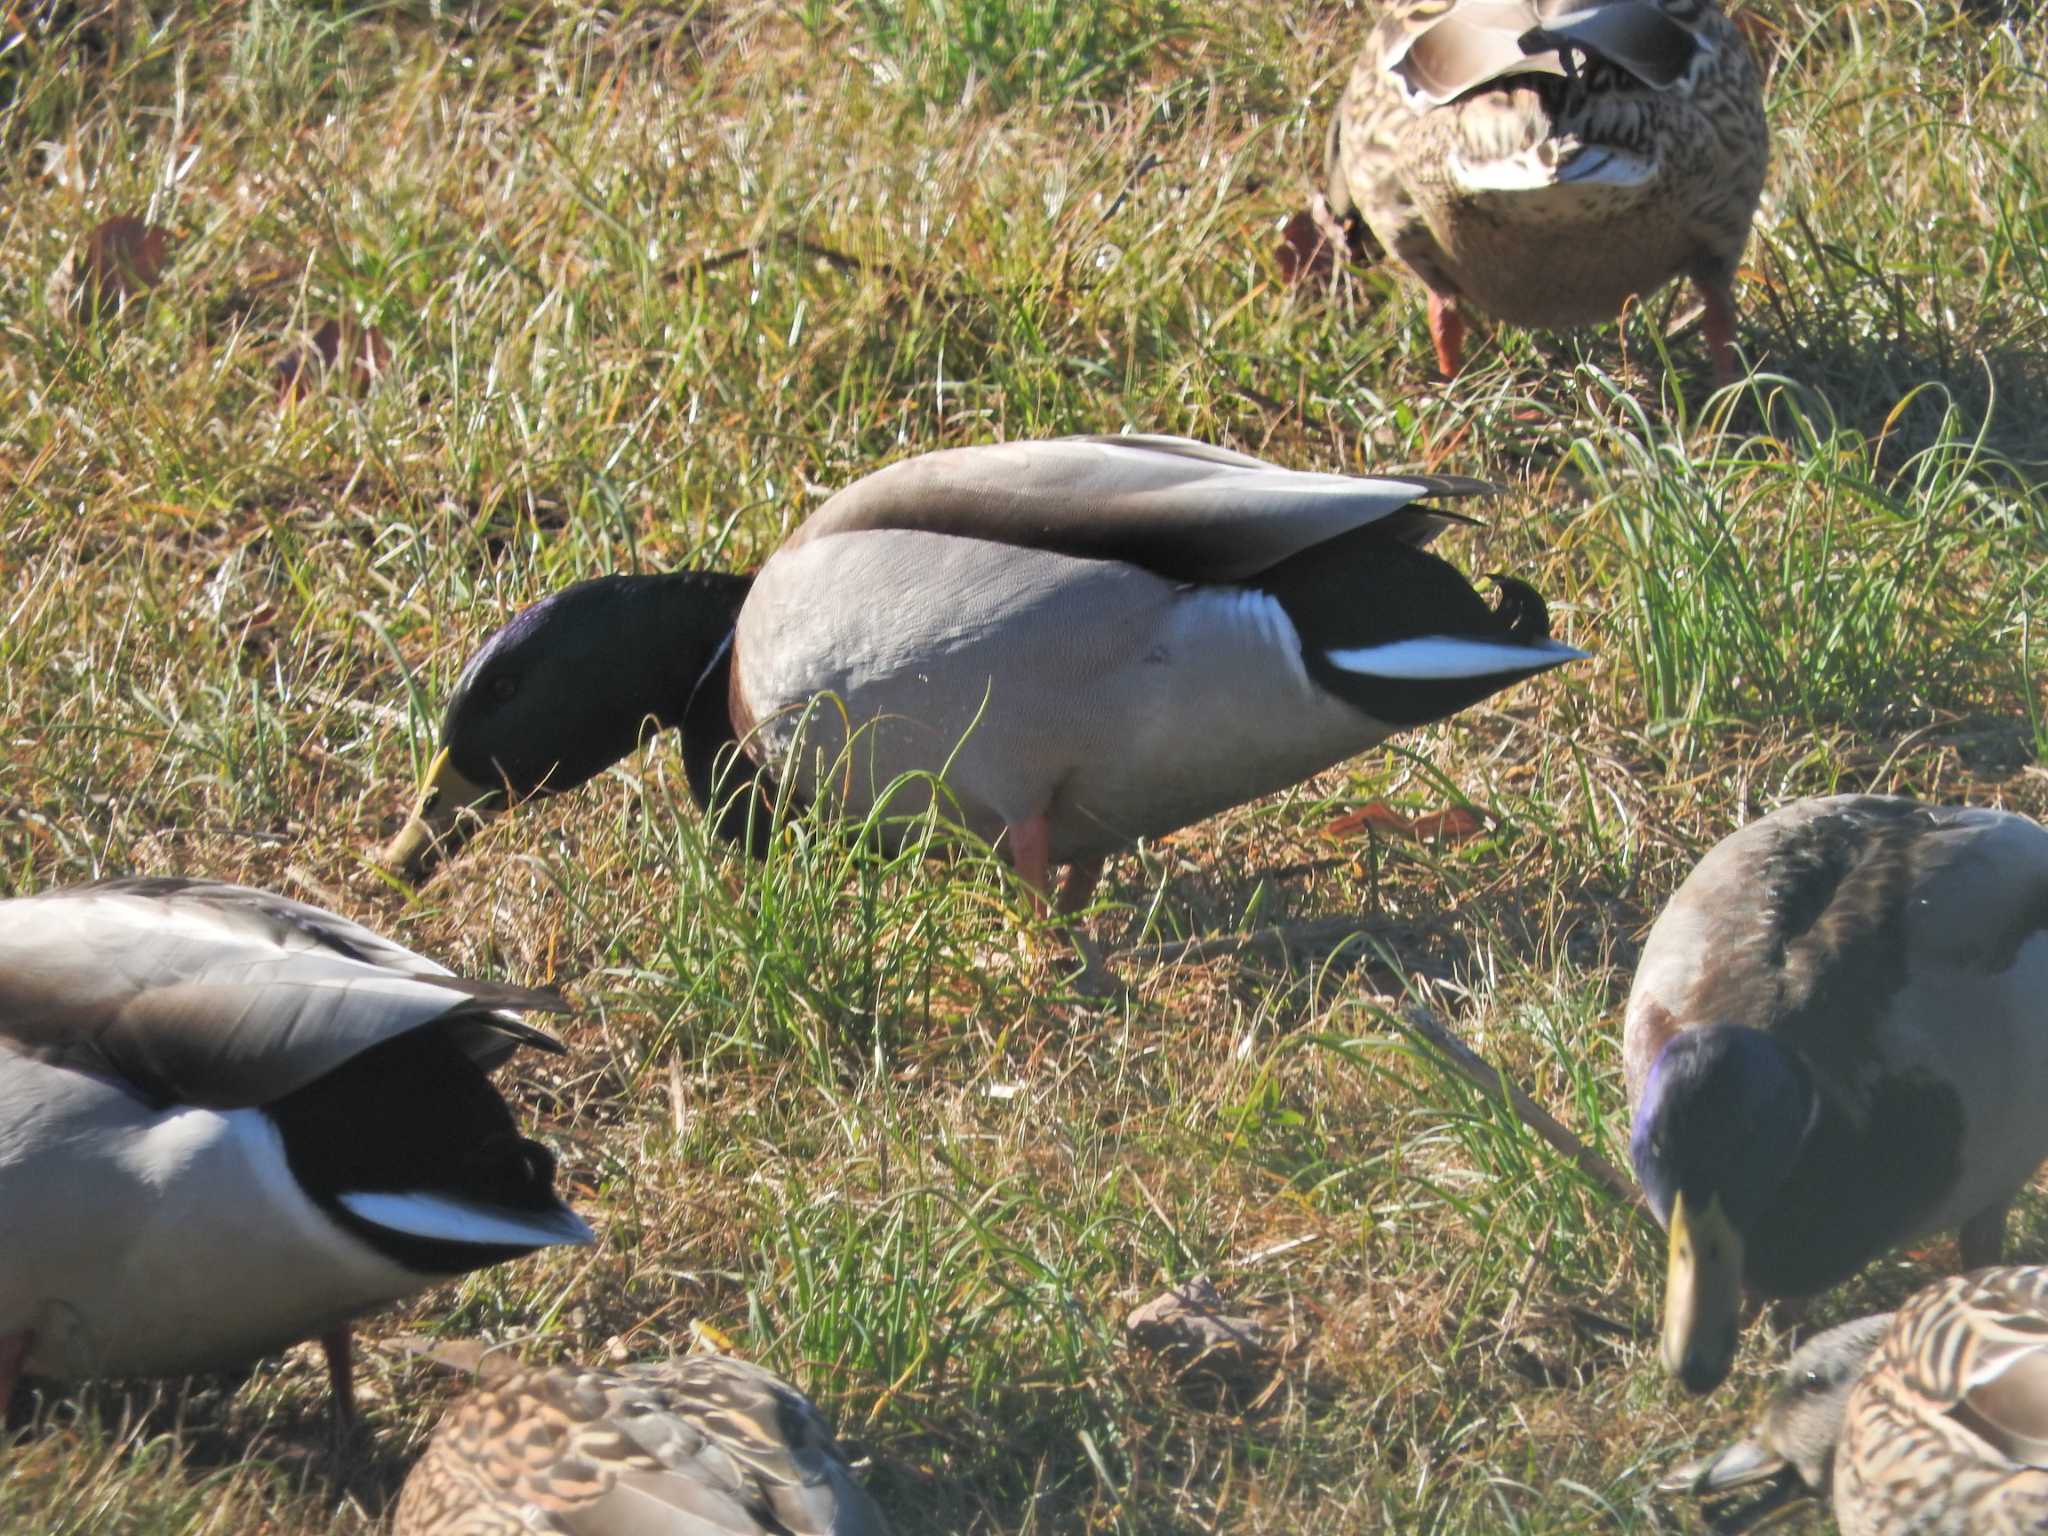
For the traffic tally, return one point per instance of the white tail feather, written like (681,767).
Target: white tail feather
(449,1220)
(1436,657)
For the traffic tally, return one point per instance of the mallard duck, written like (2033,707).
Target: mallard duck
(1837,1041)
(229,1121)
(1092,640)
(1544,160)
(702,1446)
(1929,1422)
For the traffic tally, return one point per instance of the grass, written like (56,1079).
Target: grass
(655,279)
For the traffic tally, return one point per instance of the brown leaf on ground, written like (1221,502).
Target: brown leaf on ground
(358,352)
(121,260)
(1303,252)
(1456,824)
(1310,240)
(1188,1329)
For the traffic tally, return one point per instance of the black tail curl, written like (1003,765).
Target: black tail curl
(1522,609)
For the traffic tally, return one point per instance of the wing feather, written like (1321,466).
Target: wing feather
(215,995)
(1183,510)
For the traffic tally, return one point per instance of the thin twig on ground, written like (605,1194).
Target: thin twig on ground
(1488,1079)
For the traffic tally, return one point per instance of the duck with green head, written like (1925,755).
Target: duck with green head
(1087,640)
(1837,1041)
(566,688)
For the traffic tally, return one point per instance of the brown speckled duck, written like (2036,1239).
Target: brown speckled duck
(1932,1421)
(1837,1042)
(1090,640)
(702,1446)
(1544,160)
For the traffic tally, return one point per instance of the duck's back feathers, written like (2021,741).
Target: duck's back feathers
(1182,510)
(1948,1429)
(1440,51)
(1115,637)
(218,996)
(1810,922)
(703,1446)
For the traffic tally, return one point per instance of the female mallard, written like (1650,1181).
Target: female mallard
(1092,640)
(229,1121)
(703,1446)
(1544,160)
(1837,1041)
(1929,1422)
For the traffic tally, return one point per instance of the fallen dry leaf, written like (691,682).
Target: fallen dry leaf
(1310,240)
(1188,1328)
(1453,825)
(1303,252)
(358,352)
(122,259)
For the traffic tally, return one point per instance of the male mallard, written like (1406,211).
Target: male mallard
(1093,640)
(1837,1041)
(702,1446)
(229,1121)
(1929,1422)
(1543,160)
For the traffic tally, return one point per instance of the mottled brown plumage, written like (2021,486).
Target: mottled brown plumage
(703,1446)
(1929,1422)
(1545,160)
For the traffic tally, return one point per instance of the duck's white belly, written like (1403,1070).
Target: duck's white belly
(1116,703)
(142,1244)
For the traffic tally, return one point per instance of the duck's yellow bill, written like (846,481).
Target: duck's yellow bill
(449,808)
(1702,1294)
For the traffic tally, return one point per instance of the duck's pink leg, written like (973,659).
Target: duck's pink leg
(341,1374)
(1447,330)
(1030,845)
(1720,327)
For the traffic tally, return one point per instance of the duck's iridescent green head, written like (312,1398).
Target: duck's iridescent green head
(562,691)
(1718,1128)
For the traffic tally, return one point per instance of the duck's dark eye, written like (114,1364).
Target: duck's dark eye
(1812,1381)
(503,687)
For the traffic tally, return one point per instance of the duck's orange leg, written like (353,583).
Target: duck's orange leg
(1720,328)
(1030,845)
(1447,330)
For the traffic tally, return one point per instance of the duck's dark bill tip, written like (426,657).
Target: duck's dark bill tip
(1699,1378)
(1742,1465)
(451,806)
(413,853)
